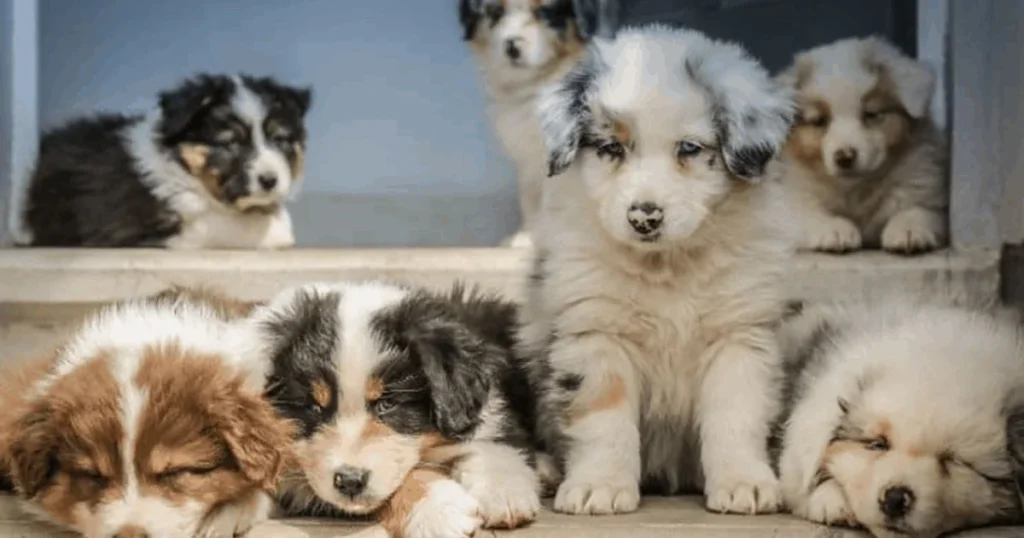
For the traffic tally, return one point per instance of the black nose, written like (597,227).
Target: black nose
(896,501)
(645,218)
(267,181)
(845,158)
(512,48)
(351,481)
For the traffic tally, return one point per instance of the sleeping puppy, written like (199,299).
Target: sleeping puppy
(521,45)
(865,162)
(904,416)
(146,423)
(394,389)
(651,309)
(210,167)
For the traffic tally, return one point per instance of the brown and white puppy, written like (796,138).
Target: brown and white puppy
(866,164)
(520,46)
(144,424)
(903,415)
(409,403)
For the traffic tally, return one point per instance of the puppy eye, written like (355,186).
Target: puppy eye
(494,12)
(614,150)
(383,406)
(178,472)
(880,444)
(685,150)
(871,116)
(88,475)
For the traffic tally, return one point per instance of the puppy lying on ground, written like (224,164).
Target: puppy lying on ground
(410,405)
(144,424)
(903,416)
(865,163)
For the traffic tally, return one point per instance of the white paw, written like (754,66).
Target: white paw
(827,504)
(447,511)
(911,232)
(279,233)
(507,504)
(756,491)
(237,518)
(521,239)
(598,497)
(835,234)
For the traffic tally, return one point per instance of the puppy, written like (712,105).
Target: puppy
(520,46)
(145,423)
(394,389)
(903,416)
(211,167)
(866,165)
(654,293)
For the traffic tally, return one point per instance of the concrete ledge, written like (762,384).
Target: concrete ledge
(679,517)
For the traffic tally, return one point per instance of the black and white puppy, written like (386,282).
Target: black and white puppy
(388,384)
(210,167)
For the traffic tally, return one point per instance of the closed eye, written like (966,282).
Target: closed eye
(197,470)
(87,474)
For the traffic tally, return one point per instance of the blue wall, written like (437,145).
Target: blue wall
(399,140)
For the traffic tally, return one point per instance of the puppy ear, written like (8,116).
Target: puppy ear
(470,12)
(181,105)
(31,457)
(913,81)
(457,366)
(752,112)
(564,114)
(300,98)
(257,437)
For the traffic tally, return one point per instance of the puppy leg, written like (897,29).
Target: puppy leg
(827,504)
(278,232)
(825,232)
(237,518)
(737,404)
(430,505)
(600,426)
(914,230)
(502,481)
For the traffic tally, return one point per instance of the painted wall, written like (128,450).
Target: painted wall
(6,68)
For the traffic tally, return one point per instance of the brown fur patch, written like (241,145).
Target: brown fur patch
(893,121)
(804,142)
(375,429)
(321,392)
(195,159)
(612,395)
(394,515)
(374,389)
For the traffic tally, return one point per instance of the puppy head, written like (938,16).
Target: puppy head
(926,451)
(660,125)
(859,101)
(143,433)
(373,375)
(520,39)
(242,137)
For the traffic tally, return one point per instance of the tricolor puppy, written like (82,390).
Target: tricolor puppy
(904,416)
(144,424)
(654,294)
(210,167)
(395,389)
(520,46)
(865,162)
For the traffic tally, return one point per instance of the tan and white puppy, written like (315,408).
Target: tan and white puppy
(904,416)
(144,424)
(521,45)
(865,162)
(651,307)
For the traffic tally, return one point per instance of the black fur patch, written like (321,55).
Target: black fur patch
(469,16)
(305,338)
(570,382)
(566,140)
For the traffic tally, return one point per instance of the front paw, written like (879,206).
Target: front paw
(835,234)
(912,232)
(521,239)
(236,519)
(279,234)
(617,495)
(508,504)
(447,511)
(755,491)
(827,504)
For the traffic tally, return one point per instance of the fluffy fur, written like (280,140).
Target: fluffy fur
(904,416)
(865,162)
(521,45)
(651,306)
(145,423)
(394,390)
(210,167)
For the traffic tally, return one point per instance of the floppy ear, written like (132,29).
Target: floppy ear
(257,437)
(300,98)
(564,114)
(470,12)
(181,105)
(31,457)
(457,365)
(914,81)
(752,112)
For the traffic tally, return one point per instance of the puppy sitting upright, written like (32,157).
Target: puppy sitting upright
(521,45)
(211,167)
(651,309)
(391,386)
(865,163)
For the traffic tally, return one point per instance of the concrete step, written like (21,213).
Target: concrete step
(677,517)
